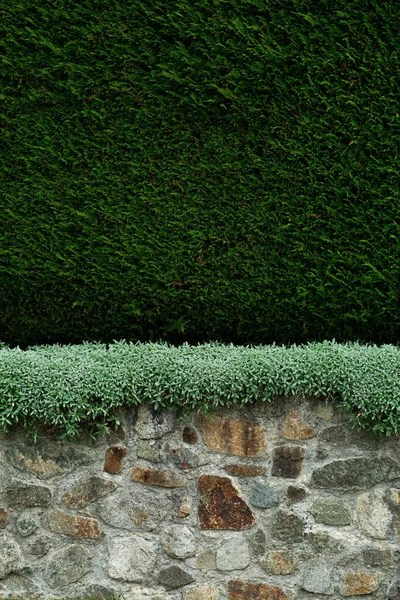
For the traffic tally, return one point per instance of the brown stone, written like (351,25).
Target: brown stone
(74,525)
(357,583)
(233,436)
(220,506)
(156,477)
(185,507)
(289,527)
(287,461)
(294,428)
(295,493)
(244,470)
(86,491)
(114,459)
(239,590)
(3,518)
(189,435)
(277,562)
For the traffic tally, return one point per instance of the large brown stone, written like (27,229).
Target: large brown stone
(3,518)
(86,491)
(220,506)
(113,461)
(240,590)
(294,428)
(287,461)
(233,436)
(157,477)
(244,470)
(358,583)
(74,525)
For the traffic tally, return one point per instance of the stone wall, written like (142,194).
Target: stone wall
(270,502)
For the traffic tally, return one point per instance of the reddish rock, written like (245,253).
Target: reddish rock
(156,477)
(189,435)
(233,436)
(358,583)
(294,428)
(239,590)
(185,508)
(244,470)
(3,518)
(220,506)
(278,562)
(114,459)
(74,525)
(287,461)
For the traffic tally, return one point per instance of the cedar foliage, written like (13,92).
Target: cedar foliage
(218,169)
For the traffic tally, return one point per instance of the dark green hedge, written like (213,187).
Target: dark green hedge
(199,170)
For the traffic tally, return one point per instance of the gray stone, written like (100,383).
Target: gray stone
(393,590)
(322,542)
(258,543)
(289,527)
(187,458)
(26,525)
(378,557)
(360,472)
(11,559)
(174,577)
(40,546)
(22,495)
(67,566)
(206,560)
(233,554)
(153,424)
(45,459)
(374,517)
(331,512)
(131,558)
(178,541)
(100,592)
(140,512)
(263,496)
(295,494)
(149,450)
(317,577)
(87,490)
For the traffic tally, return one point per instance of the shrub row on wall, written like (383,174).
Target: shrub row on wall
(199,171)
(67,387)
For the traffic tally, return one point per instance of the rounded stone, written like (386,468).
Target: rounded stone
(179,542)
(26,525)
(67,566)
(331,512)
(263,496)
(233,554)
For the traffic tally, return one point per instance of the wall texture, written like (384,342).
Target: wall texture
(273,502)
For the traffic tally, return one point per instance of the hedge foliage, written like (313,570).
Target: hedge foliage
(70,387)
(212,170)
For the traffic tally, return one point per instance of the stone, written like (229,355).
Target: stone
(240,590)
(289,527)
(74,525)
(153,424)
(44,459)
(40,546)
(392,498)
(204,592)
(294,428)
(295,494)
(263,496)
(26,525)
(113,462)
(277,562)
(258,543)
(323,411)
(139,512)
(233,554)
(322,542)
(86,491)
(67,566)
(100,592)
(178,541)
(358,472)
(11,559)
(21,495)
(174,577)
(287,461)
(244,470)
(358,583)
(149,450)
(374,517)
(378,557)
(185,507)
(187,458)
(331,512)
(393,590)
(131,558)
(317,577)
(157,477)
(206,560)
(221,506)
(3,518)
(233,436)
(189,435)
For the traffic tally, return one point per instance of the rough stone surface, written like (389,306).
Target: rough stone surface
(206,560)
(67,566)
(294,428)
(187,458)
(322,542)
(358,583)
(157,477)
(221,506)
(189,435)
(131,558)
(74,525)
(45,460)
(178,541)
(40,546)
(113,462)
(233,436)
(149,450)
(374,516)
(26,525)
(244,470)
(277,562)
(241,590)
(323,411)
(317,577)
(3,518)
(258,543)
(11,559)
(185,507)
(139,512)
(100,592)
(331,512)
(295,494)
(287,461)
(21,495)
(393,590)
(289,527)
(263,496)
(204,592)
(233,554)
(378,557)
(153,424)
(86,491)
(174,577)
(358,472)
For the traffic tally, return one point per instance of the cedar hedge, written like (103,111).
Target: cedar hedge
(222,169)
(73,388)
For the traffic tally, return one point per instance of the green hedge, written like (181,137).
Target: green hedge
(70,387)
(212,170)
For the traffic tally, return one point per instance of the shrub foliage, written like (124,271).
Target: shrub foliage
(199,170)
